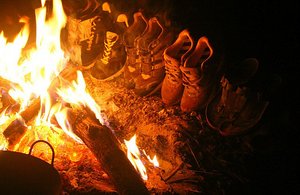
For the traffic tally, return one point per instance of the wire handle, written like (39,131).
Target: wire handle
(51,147)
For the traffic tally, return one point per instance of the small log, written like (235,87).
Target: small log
(4,83)
(8,103)
(106,148)
(17,128)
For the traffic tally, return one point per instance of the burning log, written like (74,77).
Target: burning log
(17,128)
(6,100)
(106,148)
(5,83)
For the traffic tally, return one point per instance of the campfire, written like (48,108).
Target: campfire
(108,136)
(47,100)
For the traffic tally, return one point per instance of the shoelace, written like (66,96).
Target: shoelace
(172,72)
(111,39)
(90,33)
(190,80)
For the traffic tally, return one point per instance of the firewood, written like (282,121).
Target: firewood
(4,83)
(8,104)
(107,149)
(17,128)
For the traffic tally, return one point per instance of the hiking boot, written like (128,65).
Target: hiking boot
(198,77)
(86,32)
(174,57)
(151,46)
(120,19)
(236,108)
(110,64)
(130,37)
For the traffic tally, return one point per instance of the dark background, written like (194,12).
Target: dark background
(266,30)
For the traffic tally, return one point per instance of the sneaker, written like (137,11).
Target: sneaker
(91,40)
(198,77)
(151,46)
(236,108)
(110,64)
(120,19)
(174,57)
(86,33)
(130,37)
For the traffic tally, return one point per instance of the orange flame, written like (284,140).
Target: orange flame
(154,160)
(133,154)
(32,71)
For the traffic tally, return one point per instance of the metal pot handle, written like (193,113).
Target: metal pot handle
(52,149)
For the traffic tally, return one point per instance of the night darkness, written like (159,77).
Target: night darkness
(268,31)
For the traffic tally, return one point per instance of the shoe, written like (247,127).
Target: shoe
(110,64)
(133,62)
(151,46)
(198,77)
(91,40)
(236,108)
(120,19)
(174,57)
(86,32)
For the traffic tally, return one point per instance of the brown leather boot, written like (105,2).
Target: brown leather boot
(197,77)
(174,57)
(130,37)
(236,108)
(151,46)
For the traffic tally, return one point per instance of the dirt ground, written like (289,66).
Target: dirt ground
(193,158)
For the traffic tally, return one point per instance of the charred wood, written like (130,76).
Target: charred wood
(107,149)
(17,128)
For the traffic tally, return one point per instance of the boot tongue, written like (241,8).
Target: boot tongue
(136,29)
(187,48)
(88,9)
(180,49)
(151,34)
(202,53)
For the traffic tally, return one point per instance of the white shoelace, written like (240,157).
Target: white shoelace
(111,39)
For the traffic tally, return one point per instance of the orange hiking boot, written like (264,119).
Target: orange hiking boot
(198,77)
(151,46)
(133,63)
(174,57)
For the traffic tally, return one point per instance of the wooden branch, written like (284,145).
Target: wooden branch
(106,148)
(8,103)
(17,128)
(4,83)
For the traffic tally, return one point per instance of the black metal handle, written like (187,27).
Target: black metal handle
(52,149)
